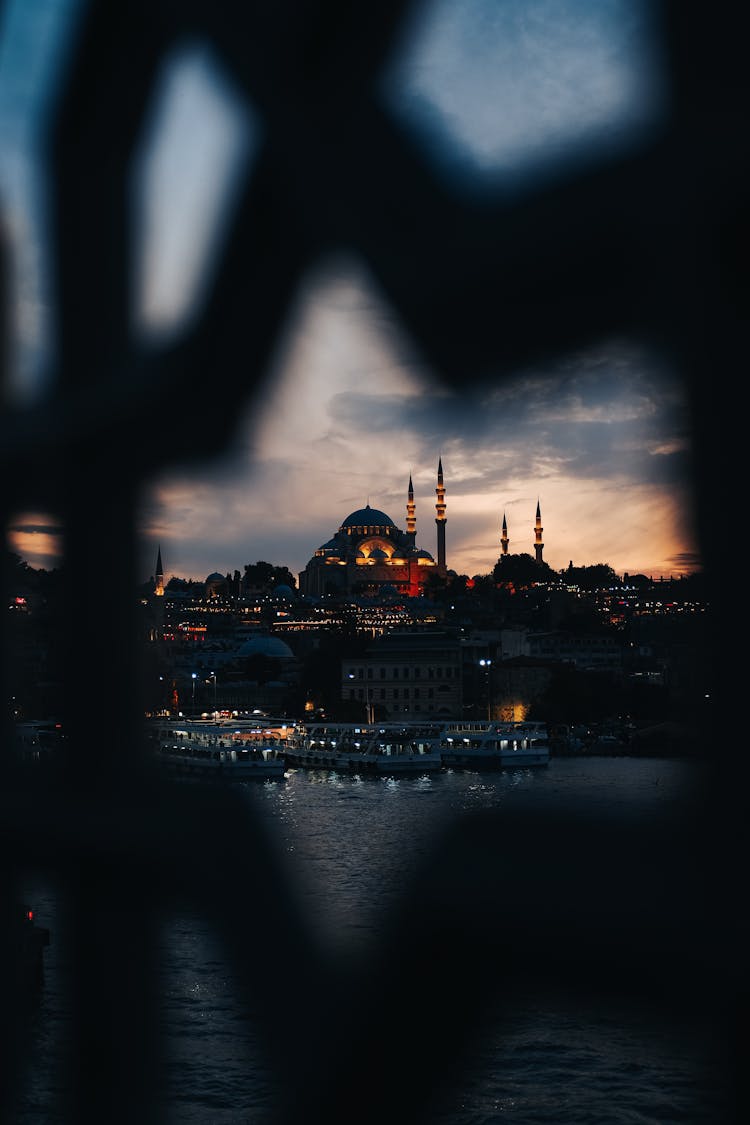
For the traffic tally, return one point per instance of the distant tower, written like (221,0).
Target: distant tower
(411,519)
(504,537)
(157,630)
(538,545)
(159,576)
(440,518)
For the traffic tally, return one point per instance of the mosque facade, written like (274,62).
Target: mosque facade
(370,554)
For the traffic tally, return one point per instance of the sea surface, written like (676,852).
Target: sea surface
(353,843)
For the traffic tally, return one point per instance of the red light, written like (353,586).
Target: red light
(30,915)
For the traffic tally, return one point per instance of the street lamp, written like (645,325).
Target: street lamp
(213,677)
(195,677)
(486,663)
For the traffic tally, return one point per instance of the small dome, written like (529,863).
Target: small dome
(423,555)
(284,592)
(378,553)
(215,577)
(264,645)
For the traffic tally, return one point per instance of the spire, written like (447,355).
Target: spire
(504,537)
(538,544)
(440,519)
(411,519)
(159,575)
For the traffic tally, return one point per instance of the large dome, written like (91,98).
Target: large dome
(368,517)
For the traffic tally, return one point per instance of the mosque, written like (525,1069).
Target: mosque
(370,555)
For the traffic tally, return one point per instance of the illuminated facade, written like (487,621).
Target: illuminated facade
(369,554)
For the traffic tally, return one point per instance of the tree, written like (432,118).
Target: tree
(178,584)
(282,576)
(521,571)
(263,575)
(593,577)
(259,574)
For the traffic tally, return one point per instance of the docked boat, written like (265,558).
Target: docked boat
(227,751)
(380,749)
(494,745)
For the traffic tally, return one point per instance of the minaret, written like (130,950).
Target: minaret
(440,518)
(411,519)
(538,545)
(504,537)
(159,576)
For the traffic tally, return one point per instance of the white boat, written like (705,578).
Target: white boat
(494,745)
(223,750)
(384,749)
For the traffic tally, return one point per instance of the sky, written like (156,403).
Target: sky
(495,92)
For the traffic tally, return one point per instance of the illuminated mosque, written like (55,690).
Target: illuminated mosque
(370,555)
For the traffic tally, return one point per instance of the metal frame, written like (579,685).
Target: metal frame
(647,244)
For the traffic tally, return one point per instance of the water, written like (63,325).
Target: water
(353,845)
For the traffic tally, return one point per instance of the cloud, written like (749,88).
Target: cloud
(36,538)
(34,528)
(601,437)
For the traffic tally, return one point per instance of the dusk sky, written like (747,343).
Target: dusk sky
(497,92)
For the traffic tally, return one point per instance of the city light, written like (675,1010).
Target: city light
(486,663)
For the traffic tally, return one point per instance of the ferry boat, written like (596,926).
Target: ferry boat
(384,749)
(494,745)
(224,749)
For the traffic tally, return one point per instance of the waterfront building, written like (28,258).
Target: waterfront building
(406,676)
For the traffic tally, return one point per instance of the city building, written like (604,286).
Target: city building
(406,676)
(600,652)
